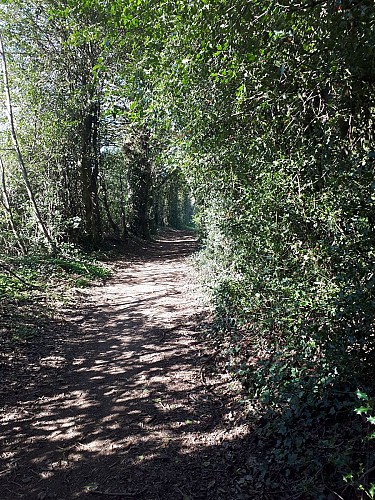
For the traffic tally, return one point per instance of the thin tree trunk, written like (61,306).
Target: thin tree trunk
(173,212)
(139,187)
(123,209)
(95,170)
(6,205)
(89,170)
(21,163)
(107,208)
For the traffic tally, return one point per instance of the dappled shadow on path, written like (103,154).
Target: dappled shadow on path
(126,413)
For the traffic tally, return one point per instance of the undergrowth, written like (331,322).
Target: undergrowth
(294,320)
(32,287)
(313,440)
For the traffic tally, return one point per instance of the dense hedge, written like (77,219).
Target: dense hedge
(278,149)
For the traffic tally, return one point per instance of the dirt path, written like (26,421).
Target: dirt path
(121,411)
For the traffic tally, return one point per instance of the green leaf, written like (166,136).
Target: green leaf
(371,491)
(348,477)
(361,395)
(362,409)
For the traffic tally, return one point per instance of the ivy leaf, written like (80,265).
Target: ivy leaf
(361,395)
(362,409)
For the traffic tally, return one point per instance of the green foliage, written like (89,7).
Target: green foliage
(264,112)
(30,275)
(276,118)
(80,267)
(11,287)
(33,286)
(361,479)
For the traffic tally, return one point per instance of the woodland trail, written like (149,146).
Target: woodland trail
(119,409)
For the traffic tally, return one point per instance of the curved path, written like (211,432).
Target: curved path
(121,411)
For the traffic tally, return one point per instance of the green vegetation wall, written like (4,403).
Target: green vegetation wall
(272,109)
(273,105)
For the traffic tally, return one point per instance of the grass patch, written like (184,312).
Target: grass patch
(23,276)
(31,288)
(24,333)
(84,268)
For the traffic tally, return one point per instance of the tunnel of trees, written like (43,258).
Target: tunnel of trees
(119,118)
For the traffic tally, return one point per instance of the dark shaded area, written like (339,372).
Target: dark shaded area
(169,243)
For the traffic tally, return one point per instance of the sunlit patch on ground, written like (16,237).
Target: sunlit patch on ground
(125,409)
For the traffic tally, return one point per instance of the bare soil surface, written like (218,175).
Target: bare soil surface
(112,403)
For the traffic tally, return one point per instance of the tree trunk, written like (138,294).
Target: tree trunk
(8,209)
(125,234)
(173,203)
(114,226)
(21,163)
(89,170)
(139,190)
